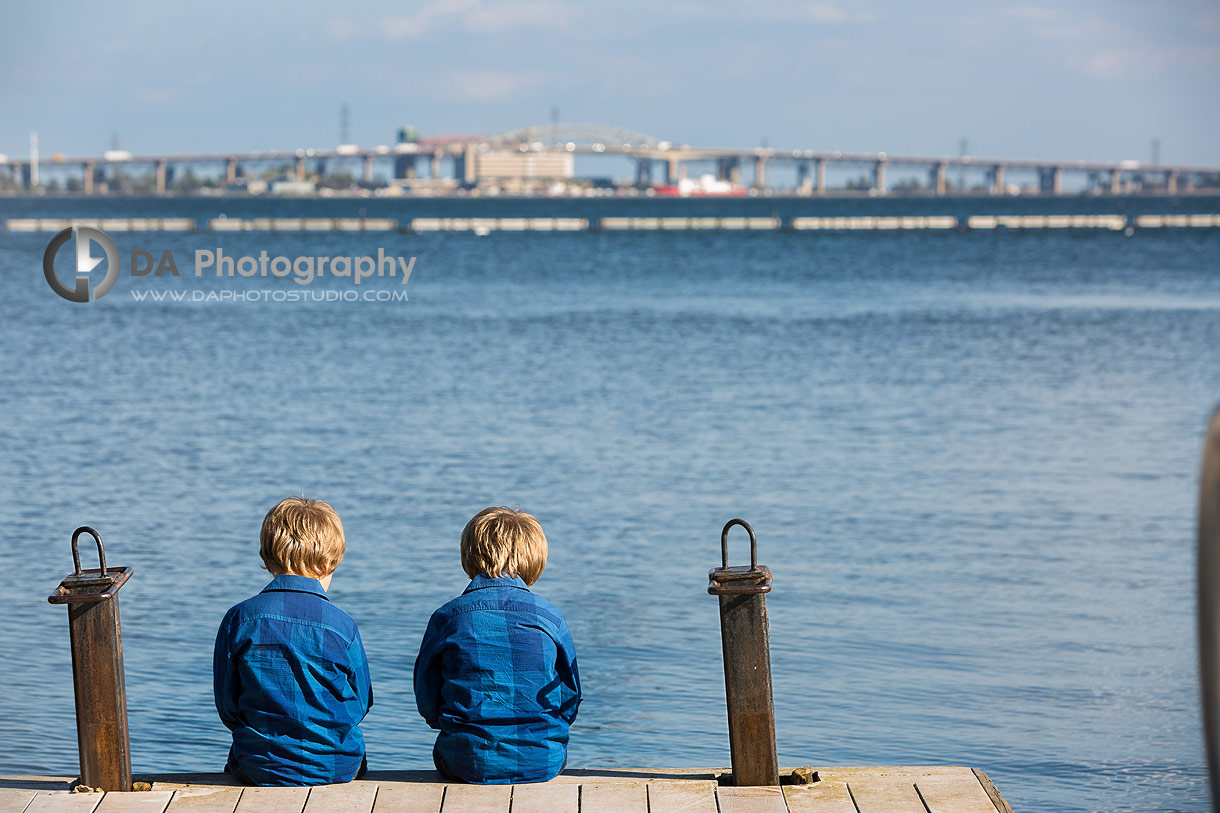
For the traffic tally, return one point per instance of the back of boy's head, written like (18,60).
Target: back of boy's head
(504,542)
(302,536)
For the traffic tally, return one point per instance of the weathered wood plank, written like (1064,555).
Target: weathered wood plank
(948,794)
(178,781)
(272,800)
(411,776)
(35,782)
(617,797)
(204,800)
(827,796)
(886,794)
(62,801)
(546,797)
(152,801)
(761,799)
(409,797)
(353,797)
(849,773)
(996,799)
(682,796)
(613,775)
(477,798)
(15,800)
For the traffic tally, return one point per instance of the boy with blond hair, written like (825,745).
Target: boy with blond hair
(289,673)
(496,671)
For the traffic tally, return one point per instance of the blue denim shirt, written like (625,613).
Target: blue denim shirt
(496,674)
(292,683)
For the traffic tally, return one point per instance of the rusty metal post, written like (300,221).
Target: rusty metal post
(97,668)
(745,639)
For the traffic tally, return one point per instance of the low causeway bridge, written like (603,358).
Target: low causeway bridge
(656,161)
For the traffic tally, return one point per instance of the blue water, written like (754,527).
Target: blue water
(970,459)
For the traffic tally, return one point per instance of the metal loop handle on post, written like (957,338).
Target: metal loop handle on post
(101,552)
(724,543)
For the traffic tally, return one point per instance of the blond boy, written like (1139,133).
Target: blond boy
(496,672)
(290,675)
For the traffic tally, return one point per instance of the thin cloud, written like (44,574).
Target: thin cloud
(476,16)
(1106,50)
(495,17)
(814,11)
(488,86)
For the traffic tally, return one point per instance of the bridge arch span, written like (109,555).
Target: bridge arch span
(552,135)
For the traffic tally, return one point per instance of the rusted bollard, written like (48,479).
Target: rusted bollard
(97,668)
(745,640)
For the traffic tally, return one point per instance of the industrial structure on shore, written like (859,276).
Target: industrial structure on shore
(541,159)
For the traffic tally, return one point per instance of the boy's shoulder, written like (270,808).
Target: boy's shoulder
(293,601)
(484,596)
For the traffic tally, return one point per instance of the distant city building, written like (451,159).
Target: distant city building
(516,171)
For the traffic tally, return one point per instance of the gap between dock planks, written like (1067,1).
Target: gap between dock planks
(840,790)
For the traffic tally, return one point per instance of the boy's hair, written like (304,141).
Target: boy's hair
(504,542)
(302,536)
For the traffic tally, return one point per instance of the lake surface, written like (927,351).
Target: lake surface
(970,459)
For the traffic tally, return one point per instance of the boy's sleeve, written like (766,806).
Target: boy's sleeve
(569,676)
(428,673)
(225,683)
(360,679)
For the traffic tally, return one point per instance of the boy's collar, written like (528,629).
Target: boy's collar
(483,580)
(288,582)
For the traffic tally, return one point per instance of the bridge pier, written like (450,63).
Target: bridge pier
(1050,180)
(643,172)
(804,186)
(760,172)
(434,165)
(819,167)
(469,167)
(368,169)
(879,178)
(729,169)
(88,185)
(1116,182)
(27,177)
(161,167)
(300,168)
(997,179)
(671,171)
(404,167)
(1171,182)
(938,178)
(230,170)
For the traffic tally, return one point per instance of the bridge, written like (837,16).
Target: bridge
(656,162)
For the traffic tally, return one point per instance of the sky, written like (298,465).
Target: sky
(1064,80)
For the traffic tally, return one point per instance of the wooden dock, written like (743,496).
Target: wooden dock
(838,790)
